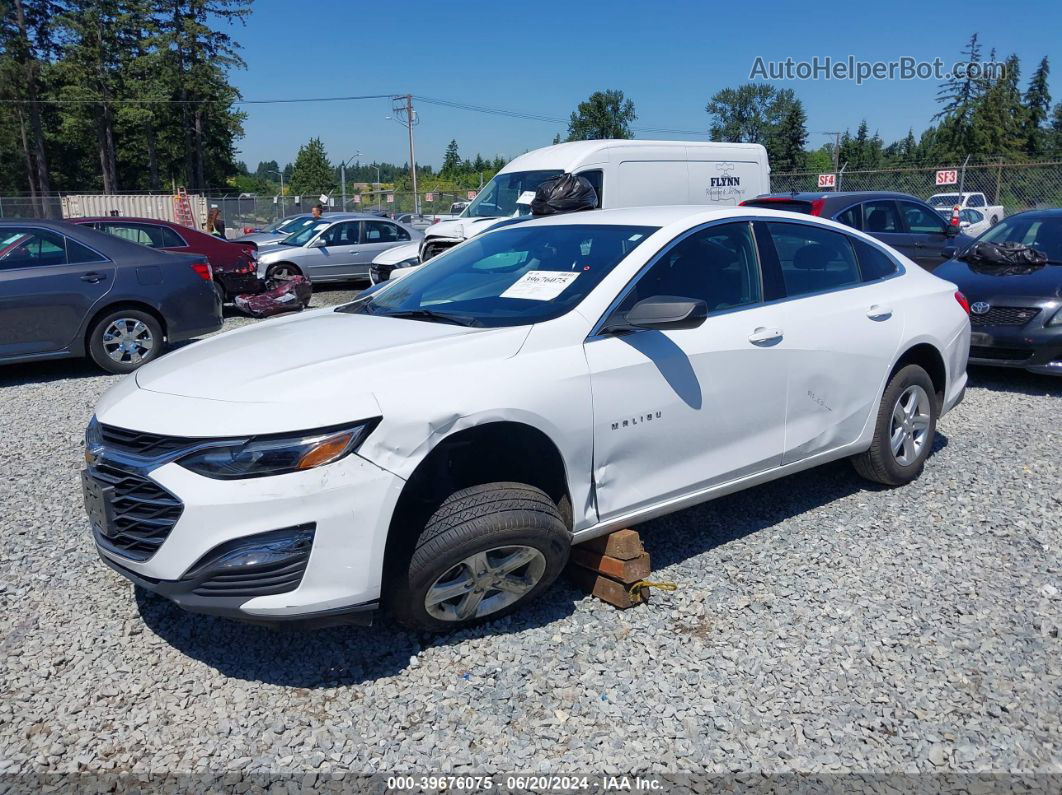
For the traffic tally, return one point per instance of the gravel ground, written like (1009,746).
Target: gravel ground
(819,625)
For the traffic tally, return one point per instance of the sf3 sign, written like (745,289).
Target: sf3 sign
(827,180)
(948,177)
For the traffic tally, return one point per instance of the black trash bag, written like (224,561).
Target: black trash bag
(1003,259)
(564,194)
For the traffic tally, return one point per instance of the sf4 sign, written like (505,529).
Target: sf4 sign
(827,180)
(948,177)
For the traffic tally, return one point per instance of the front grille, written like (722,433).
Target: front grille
(435,248)
(144,512)
(140,443)
(1000,354)
(1005,316)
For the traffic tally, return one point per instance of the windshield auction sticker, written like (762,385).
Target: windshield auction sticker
(540,285)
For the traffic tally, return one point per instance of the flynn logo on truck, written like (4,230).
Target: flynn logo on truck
(727,180)
(638,419)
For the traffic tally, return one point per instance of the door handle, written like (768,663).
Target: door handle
(878,312)
(764,335)
(93,277)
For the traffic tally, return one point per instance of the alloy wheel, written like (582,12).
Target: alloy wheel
(127,340)
(485,583)
(909,429)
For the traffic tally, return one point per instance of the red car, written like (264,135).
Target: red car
(234,264)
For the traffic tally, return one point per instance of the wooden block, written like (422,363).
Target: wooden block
(606,589)
(622,544)
(626,571)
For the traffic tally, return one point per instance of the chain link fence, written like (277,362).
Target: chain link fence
(1017,186)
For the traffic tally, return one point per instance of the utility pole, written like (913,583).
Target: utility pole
(403,113)
(281,174)
(343,180)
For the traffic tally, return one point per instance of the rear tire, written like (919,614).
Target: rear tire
(486,551)
(904,432)
(123,340)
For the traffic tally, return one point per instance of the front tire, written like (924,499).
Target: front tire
(282,270)
(124,340)
(905,429)
(486,551)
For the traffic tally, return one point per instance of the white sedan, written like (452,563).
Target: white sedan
(438,445)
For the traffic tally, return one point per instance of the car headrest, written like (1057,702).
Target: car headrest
(812,257)
(876,221)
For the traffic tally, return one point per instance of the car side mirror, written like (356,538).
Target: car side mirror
(662,313)
(951,231)
(948,252)
(318,243)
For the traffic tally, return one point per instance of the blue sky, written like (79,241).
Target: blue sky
(544,57)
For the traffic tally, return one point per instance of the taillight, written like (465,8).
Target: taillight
(816,206)
(204,271)
(962,301)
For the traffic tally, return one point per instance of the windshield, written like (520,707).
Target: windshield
(945,200)
(510,277)
(303,236)
(1042,234)
(498,197)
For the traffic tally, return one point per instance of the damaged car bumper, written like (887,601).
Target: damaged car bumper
(304,547)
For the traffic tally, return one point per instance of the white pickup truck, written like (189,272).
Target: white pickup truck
(969,201)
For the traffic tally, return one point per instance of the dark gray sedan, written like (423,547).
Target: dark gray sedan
(907,224)
(68,290)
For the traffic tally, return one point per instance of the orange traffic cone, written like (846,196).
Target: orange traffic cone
(955,215)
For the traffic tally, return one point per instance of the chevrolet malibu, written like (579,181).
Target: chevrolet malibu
(437,446)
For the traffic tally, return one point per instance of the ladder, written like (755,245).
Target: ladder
(182,209)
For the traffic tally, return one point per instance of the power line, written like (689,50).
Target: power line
(513,114)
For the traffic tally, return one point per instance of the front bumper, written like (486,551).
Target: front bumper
(1037,349)
(348,504)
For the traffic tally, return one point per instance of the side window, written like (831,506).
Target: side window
(380,232)
(77,253)
(976,201)
(345,234)
(402,233)
(922,221)
(596,177)
(881,216)
(28,247)
(852,217)
(171,239)
(873,262)
(144,234)
(717,265)
(813,259)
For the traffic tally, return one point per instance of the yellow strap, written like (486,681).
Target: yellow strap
(663,586)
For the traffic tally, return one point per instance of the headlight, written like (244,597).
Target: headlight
(408,263)
(1057,319)
(262,456)
(93,440)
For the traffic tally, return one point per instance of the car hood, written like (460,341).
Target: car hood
(322,364)
(396,254)
(460,228)
(982,281)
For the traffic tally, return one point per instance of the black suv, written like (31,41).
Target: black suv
(907,224)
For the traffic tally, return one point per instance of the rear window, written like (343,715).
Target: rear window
(873,262)
(788,205)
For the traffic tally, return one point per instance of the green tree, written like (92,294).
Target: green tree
(605,114)
(27,43)
(451,164)
(312,174)
(1037,103)
(998,117)
(785,145)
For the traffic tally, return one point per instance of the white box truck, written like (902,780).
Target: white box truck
(625,173)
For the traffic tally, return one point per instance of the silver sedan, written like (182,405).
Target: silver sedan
(334,249)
